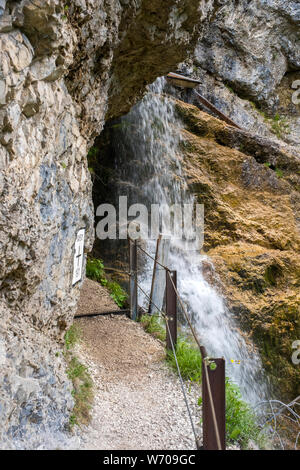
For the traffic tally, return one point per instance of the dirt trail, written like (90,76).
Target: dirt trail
(138,400)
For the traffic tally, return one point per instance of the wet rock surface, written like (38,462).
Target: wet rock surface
(250,188)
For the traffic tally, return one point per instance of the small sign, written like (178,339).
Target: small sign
(78,256)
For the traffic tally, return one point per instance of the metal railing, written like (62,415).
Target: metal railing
(213,378)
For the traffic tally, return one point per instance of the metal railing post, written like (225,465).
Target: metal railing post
(171,308)
(216,388)
(133,279)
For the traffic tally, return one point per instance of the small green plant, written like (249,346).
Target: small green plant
(82,392)
(82,382)
(154,325)
(72,336)
(117,293)
(95,271)
(280,126)
(63,164)
(189,360)
(241,424)
(279,173)
(75,369)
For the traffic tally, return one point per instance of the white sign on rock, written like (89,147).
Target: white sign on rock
(78,256)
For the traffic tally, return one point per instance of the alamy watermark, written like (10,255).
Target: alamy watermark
(180,221)
(296,354)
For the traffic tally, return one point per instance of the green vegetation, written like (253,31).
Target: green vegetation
(95,270)
(82,383)
(279,124)
(154,325)
(189,360)
(82,392)
(278,171)
(66,12)
(92,153)
(241,424)
(240,420)
(92,158)
(72,336)
(117,293)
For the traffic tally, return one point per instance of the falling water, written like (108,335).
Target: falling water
(146,143)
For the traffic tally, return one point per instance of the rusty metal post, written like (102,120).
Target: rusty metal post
(133,279)
(171,308)
(217,384)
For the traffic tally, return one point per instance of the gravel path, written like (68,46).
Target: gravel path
(138,400)
(94,298)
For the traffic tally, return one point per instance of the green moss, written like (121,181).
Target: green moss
(229,88)
(275,331)
(280,126)
(279,173)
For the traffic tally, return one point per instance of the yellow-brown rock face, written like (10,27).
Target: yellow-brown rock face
(250,189)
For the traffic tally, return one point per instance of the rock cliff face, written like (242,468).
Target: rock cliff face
(251,192)
(248,63)
(64,66)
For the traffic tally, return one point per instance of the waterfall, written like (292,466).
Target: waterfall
(146,145)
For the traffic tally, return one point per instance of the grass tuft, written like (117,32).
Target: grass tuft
(189,360)
(82,382)
(154,325)
(72,336)
(241,426)
(95,271)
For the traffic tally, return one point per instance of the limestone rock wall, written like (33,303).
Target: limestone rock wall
(62,70)
(248,60)
(250,188)
(44,200)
